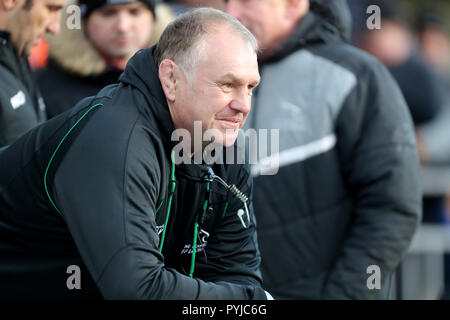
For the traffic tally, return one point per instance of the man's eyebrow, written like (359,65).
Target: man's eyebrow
(232,77)
(127,6)
(55,7)
(256,82)
(136,5)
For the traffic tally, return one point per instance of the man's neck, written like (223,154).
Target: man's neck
(117,63)
(277,43)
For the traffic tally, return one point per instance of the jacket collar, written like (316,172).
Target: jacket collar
(311,29)
(141,72)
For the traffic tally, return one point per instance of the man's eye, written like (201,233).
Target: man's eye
(108,13)
(53,8)
(228,85)
(135,12)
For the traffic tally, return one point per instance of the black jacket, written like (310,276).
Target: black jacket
(347,194)
(21,105)
(62,89)
(92,188)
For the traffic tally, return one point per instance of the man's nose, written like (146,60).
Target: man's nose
(123,22)
(54,25)
(241,101)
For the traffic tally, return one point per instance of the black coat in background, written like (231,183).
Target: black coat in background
(62,89)
(347,194)
(21,104)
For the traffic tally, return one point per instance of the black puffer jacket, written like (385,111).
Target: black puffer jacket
(346,196)
(21,105)
(92,188)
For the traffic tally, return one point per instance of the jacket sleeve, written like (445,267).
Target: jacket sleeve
(377,149)
(106,189)
(232,253)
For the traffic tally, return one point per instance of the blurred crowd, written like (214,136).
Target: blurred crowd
(416,51)
(415,46)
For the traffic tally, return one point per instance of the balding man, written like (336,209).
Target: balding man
(95,203)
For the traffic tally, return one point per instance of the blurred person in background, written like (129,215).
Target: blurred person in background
(434,47)
(22,23)
(434,137)
(347,194)
(82,61)
(394,45)
(397,47)
(181,6)
(434,41)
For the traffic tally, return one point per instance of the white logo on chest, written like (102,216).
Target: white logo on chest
(201,244)
(18,100)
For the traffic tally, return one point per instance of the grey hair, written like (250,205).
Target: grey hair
(182,42)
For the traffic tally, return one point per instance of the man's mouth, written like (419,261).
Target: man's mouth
(122,41)
(231,123)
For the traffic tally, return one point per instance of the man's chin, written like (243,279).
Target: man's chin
(29,47)
(229,140)
(121,53)
(26,51)
(225,142)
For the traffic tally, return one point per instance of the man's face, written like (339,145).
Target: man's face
(220,87)
(264,18)
(390,44)
(119,30)
(218,4)
(27,25)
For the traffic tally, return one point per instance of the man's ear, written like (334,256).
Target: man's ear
(296,9)
(9,5)
(168,79)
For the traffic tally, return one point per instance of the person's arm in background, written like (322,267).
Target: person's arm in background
(378,154)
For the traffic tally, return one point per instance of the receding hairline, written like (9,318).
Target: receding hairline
(210,19)
(214,27)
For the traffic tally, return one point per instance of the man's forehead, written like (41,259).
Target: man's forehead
(127,5)
(220,42)
(230,55)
